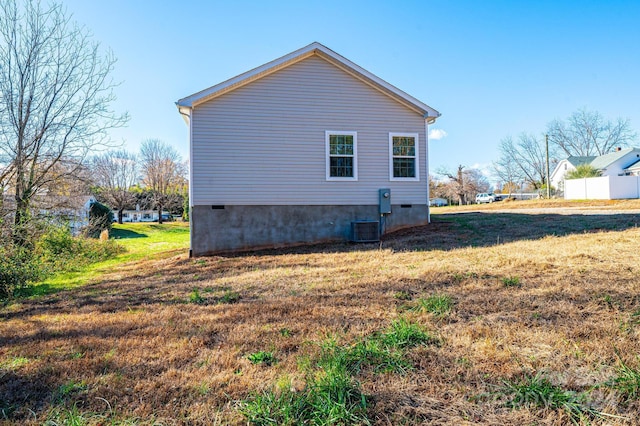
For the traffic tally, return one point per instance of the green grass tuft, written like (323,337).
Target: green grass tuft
(439,305)
(194,297)
(230,297)
(626,382)
(262,357)
(67,417)
(511,282)
(403,334)
(15,363)
(538,391)
(332,395)
(285,332)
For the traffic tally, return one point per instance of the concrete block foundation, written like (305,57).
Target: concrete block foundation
(216,229)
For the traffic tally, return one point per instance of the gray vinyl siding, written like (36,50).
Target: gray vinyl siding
(264,143)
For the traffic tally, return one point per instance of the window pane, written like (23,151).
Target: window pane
(340,145)
(341,167)
(404,167)
(404,146)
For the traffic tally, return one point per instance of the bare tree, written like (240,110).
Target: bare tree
(163,172)
(115,173)
(522,160)
(55,94)
(507,173)
(464,184)
(587,133)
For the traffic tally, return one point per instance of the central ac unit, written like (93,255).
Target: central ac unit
(365,231)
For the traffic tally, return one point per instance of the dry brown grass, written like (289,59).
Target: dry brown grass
(546,204)
(137,350)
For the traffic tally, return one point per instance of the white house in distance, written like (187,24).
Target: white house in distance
(565,166)
(309,147)
(620,176)
(138,215)
(73,211)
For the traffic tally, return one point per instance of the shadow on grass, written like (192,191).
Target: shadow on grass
(40,289)
(489,229)
(121,234)
(473,229)
(158,288)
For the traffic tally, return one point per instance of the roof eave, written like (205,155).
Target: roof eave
(355,70)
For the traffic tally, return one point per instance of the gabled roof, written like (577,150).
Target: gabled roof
(185,104)
(604,161)
(633,166)
(578,161)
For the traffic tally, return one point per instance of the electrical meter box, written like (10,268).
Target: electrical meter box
(384,196)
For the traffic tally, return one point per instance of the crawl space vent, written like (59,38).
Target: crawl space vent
(365,231)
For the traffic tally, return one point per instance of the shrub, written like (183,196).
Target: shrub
(583,171)
(18,268)
(60,251)
(100,218)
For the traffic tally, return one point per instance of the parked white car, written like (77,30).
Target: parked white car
(487,197)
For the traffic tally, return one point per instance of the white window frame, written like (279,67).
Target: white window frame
(327,135)
(416,157)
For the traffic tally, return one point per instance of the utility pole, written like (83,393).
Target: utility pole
(546,141)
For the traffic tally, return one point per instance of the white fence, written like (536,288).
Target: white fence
(602,188)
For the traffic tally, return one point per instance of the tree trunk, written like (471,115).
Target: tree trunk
(20,232)
(159,214)
(120,213)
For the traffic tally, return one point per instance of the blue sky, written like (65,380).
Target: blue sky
(492,68)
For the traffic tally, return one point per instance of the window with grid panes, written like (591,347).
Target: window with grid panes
(341,155)
(403,150)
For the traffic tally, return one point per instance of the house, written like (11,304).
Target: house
(305,148)
(619,176)
(138,215)
(72,211)
(438,202)
(565,166)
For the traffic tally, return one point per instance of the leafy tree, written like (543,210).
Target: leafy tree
(55,94)
(115,173)
(583,171)
(587,133)
(163,173)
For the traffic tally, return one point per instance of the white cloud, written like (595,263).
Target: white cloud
(437,134)
(484,168)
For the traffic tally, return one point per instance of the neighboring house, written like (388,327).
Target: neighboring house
(633,169)
(297,149)
(565,166)
(611,164)
(438,202)
(140,215)
(71,211)
(618,169)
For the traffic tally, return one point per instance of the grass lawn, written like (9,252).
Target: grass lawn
(478,318)
(140,241)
